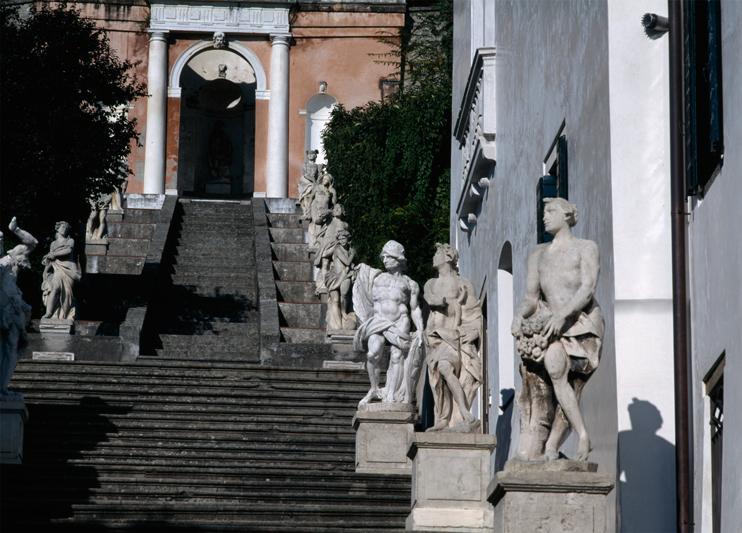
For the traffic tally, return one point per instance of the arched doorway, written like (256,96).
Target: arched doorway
(217,124)
(318,110)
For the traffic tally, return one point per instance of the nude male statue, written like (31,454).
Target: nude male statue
(386,303)
(559,328)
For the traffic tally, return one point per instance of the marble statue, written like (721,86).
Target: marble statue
(559,331)
(323,200)
(220,153)
(96,228)
(61,272)
(326,243)
(338,282)
(452,333)
(117,196)
(307,182)
(15,314)
(17,257)
(386,304)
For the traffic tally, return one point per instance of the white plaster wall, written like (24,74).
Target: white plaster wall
(552,65)
(640,181)
(716,286)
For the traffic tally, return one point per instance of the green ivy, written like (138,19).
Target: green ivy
(391,159)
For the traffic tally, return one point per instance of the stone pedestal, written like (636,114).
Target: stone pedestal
(96,247)
(56,326)
(13,416)
(564,496)
(115,215)
(450,472)
(382,433)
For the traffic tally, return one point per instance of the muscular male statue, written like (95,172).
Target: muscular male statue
(559,328)
(386,303)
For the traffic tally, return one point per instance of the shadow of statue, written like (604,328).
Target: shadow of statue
(504,428)
(646,473)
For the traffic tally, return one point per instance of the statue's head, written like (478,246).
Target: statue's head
(326,177)
(558,213)
(343,237)
(62,228)
(338,211)
(312,155)
(392,255)
(219,40)
(445,254)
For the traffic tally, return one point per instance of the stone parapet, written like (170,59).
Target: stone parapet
(13,416)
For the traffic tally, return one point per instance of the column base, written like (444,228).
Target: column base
(450,472)
(13,416)
(560,495)
(382,433)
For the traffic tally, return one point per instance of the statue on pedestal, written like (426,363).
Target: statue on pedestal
(386,304)
(338,282)
(309,176)
(326,246)
(323,200)
(15,314)
(61,272)
(453,332)
(96,228)
(559,331)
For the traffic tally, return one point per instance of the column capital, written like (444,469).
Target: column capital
(281,38)
(158,35)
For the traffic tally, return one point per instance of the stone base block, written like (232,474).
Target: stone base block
(145,201)
(53,356)
(13,416)
(382,433)
(115,215)
(450,472)
(565,496)
(96,247)
(54,326)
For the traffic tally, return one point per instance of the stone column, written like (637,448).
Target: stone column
(155,134)
(278,119)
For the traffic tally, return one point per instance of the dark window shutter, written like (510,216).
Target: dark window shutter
(547,188)
(562,175)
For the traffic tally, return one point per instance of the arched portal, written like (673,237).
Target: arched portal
(319,107)
(217,122)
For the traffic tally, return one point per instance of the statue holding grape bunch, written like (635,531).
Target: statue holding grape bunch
(559,332)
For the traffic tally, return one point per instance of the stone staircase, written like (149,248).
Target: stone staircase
(192,445)
(209,311)
(129,239)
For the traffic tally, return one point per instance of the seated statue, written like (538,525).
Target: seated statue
(386,304)
(452,333)
(61,272)
(559,331)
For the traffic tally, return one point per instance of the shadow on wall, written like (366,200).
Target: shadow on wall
(647,473)
(504,428)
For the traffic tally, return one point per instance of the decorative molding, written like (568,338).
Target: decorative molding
(475,132)
(261,93)
(239,18)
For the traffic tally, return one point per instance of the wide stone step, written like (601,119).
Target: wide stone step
(111,264)
(293,270)
(216,279)
(216,329)
(244,267)
(141,216)
(234,339)
(297,291)
(128,247)
(248,355)
(301,315)
(130,230)
(290,251)
(287,235)
(284,220)
(215,262)
(304,335)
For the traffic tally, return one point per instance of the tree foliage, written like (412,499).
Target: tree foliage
(63,120)
(391,159)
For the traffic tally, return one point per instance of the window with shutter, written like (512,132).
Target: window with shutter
(554,184)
